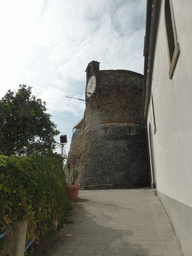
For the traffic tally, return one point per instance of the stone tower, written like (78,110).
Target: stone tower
(111,138)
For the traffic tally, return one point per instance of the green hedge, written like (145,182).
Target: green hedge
(34,189)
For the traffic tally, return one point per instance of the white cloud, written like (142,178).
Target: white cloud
(48,44)
(56,100)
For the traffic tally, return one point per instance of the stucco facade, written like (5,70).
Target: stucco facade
(168,106)
(111,142)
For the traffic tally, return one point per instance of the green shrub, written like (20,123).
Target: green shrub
(34,189)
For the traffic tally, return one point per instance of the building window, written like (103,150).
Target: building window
(75,132)
(173,44)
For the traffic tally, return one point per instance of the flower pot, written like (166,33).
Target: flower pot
(73,191)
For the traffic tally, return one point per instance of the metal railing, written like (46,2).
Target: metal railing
(30,243)
(5,233)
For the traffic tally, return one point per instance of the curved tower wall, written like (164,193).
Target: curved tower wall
(114,136)
(118,96)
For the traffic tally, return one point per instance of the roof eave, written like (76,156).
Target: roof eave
(153,10)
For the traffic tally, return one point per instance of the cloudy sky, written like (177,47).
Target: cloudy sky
(47,45)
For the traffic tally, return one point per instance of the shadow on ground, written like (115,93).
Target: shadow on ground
(86,235)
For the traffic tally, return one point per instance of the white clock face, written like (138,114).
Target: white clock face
(91,86)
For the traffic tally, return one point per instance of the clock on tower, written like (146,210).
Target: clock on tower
(92,71)
(91,86)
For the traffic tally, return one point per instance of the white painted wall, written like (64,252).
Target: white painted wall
(173,109)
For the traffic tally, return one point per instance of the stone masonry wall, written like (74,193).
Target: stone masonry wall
(76,156)
(118,96)
(111,145)
(115,156)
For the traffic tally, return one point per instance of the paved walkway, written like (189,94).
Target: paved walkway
(117,222)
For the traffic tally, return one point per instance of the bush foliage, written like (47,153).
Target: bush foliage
(34,189)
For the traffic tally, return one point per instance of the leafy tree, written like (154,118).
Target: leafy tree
(25,127)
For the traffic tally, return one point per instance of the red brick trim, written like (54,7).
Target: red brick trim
(115,121)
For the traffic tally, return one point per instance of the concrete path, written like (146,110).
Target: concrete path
(117,222)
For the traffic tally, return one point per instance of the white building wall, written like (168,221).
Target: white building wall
(172,142)
(173,109)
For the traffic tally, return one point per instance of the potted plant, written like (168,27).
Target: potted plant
(72,188)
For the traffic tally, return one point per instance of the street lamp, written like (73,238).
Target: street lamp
(63,140)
